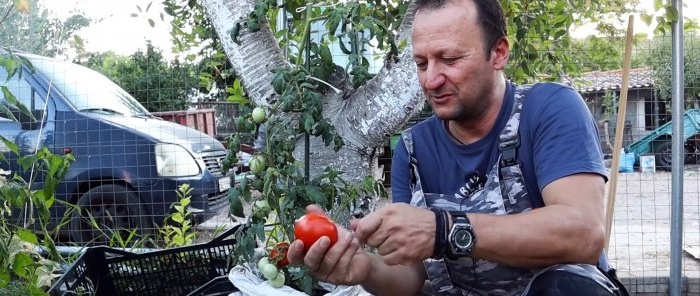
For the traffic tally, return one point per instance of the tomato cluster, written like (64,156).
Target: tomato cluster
(274,276)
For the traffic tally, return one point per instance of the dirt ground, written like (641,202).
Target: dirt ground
(640,242)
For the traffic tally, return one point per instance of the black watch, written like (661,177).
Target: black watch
(461,238)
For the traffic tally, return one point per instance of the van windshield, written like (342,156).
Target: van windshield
(88,90)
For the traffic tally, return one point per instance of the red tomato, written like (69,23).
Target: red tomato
(278,255)
(310,227)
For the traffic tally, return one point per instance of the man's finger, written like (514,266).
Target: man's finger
(345,261)
(334,254)
(295,253)
(367,226)
(385,248)
(314,257)
(393,259)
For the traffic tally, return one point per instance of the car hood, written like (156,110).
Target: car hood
(164,131)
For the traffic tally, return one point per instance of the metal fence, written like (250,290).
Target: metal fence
(127,167)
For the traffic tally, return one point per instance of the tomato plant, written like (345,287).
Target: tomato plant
(311,227)
(279,186)
(278,255)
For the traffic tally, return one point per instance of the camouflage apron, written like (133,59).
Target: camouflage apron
(466,276)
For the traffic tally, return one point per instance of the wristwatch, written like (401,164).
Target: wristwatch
(461,238)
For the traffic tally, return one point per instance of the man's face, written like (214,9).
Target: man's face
(455,72)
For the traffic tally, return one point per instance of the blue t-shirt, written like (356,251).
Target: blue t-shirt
(558,138)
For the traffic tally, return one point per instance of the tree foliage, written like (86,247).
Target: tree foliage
(538,30)
(597,53)
(192,32)
(33,29)
(659,58)
(158,84)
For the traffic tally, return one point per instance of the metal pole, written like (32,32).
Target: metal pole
(677,101)
(282,24)
(307,64)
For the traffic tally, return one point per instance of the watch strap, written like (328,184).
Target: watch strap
(460,221)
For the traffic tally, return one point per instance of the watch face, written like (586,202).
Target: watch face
(463,238)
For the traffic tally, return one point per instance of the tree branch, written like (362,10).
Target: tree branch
(8,12)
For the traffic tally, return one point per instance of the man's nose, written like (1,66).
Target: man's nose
(433,77)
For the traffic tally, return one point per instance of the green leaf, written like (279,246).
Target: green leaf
(558,34)
(27,236)
(279,83)
(12,146)
(308,123)
(671,13)
(315,194)
(22,265)
(185,202)
(658,4)
(177,217)
(325,54)
(236,208)
(4,278)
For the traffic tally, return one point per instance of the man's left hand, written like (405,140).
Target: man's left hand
(403,234)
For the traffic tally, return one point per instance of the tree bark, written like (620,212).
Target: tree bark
(364,119)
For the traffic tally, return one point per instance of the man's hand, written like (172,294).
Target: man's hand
(403,234)
(346,263)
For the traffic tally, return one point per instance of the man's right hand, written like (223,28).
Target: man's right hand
(345,263)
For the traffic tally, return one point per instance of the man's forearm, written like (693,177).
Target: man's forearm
(538,238)
(396,280)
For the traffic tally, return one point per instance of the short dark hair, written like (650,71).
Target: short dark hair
(490,18)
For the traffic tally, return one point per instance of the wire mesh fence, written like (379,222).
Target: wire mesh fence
(129,163)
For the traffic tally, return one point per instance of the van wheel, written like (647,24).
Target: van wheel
(663,156)
(115,210)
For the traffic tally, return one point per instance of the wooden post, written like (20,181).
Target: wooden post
(619,130)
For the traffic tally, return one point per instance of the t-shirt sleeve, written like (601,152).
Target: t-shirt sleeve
(565,136)
(400,174)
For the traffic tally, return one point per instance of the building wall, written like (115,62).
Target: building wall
(638,118)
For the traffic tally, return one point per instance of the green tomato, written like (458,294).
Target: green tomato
(259,115)
(278,281)
(257,164)
(263,261)
(269,271)
(261,208)
(262,205)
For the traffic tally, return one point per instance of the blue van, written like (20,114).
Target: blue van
(128,163)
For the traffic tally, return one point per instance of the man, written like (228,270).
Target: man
(500,193)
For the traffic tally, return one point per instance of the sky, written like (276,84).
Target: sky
(118,31)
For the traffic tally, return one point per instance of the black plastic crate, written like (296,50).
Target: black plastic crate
(170,272)
(219,286)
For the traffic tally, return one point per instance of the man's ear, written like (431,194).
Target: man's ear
(500,53)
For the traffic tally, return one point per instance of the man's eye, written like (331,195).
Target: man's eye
(450,60)
(421,65)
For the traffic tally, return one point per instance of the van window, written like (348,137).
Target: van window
(22,92)
(88,90)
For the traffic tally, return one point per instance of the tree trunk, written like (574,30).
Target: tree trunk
(364,119)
